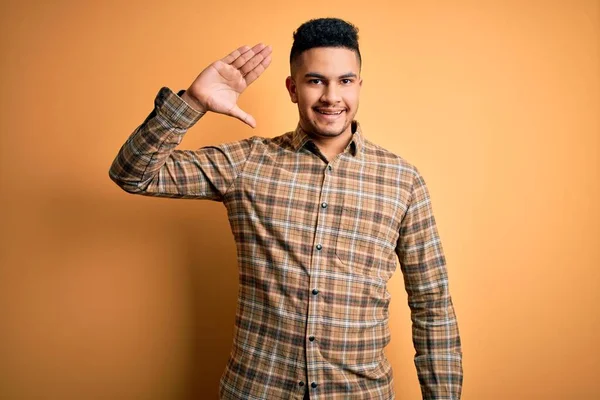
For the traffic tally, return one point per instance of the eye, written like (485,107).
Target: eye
(315,81)
(346,81)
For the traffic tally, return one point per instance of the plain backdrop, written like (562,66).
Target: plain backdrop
(105,295)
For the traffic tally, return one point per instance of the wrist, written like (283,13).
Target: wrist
(193,102)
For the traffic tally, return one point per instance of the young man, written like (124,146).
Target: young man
(320,215)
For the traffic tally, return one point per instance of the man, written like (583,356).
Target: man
(320,215)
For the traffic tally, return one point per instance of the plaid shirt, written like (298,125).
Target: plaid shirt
(317,241)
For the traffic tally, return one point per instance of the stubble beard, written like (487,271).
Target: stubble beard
(311,127)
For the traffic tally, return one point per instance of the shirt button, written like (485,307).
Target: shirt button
(313,385)
(324,204)
(319,247)
(315,292)
(300,383)
(311,338)
(329,167)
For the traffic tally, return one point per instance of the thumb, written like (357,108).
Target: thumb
(242,116)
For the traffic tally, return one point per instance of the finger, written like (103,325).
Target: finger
(242,116)
(231,57)
(244,57)
(258,70)
(254,61)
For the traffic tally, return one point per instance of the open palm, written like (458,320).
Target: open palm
(219,86)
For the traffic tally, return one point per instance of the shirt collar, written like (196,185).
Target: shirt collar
(300,138)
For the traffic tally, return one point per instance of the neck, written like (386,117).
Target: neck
(332,146)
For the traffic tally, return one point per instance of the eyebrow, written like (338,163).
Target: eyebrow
(319,76)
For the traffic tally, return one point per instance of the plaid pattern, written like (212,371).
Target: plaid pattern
(317,242)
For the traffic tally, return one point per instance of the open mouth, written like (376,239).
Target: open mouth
(328,112)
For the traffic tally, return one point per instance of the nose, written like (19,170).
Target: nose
(331,94)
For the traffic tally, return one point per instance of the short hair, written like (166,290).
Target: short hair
(325,32)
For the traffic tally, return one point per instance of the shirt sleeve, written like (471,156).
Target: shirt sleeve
(438,357)
(148,163)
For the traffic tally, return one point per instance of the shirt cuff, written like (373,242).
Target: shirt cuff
(174,110)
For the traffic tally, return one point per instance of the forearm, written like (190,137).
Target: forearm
(438,357)
(138,164)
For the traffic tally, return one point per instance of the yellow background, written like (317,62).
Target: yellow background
(104,295)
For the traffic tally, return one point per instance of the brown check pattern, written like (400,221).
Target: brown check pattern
(317,241)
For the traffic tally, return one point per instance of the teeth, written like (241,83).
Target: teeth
(329,113)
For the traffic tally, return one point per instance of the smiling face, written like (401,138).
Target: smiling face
(325,83)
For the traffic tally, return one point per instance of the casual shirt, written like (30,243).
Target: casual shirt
(317,241)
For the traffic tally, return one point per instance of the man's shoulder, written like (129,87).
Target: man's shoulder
(283,137)
(256,140)
(276,143)
(376,153)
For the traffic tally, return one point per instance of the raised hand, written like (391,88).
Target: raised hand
(218,87)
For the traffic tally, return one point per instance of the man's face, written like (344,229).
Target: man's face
(326,86)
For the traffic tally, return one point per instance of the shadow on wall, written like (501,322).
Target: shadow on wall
(117,295)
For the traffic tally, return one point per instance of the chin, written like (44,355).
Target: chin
(334,130)
(329,130)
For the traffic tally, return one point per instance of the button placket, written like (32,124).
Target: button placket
(317,261)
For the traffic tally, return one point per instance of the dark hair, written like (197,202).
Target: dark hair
(325,32)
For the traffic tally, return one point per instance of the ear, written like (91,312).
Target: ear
(291,87)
